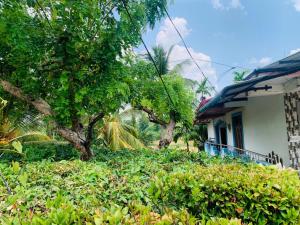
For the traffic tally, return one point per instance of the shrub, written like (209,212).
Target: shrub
(146,187)
(257,194)
(54,151)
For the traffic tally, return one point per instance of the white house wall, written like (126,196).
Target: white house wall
(210,130)
(264,126)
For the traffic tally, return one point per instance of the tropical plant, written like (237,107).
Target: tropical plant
(239,76)
(166,103)
(118,135)
(204,89)
(195,133)
(14,132)
(67,59)
(147,132)
(162,60)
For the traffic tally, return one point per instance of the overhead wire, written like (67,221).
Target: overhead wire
(187,49)
(150,56)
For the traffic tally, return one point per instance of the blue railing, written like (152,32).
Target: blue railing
(222,150)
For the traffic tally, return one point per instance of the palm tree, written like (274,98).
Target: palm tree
(204,89)
(239,76)
(118,135)
(14,133)
(162,60)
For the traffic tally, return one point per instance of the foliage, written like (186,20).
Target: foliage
(147,132)
(70,57)
(196,133)
(53,151)
(149,92)
(162,60)
(239,76)
(204,89)
(255,194)
(15,132)
(145,187)
(118,135)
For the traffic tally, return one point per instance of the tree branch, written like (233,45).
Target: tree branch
(91,125)
(43,107)
(39,104)
(151,115)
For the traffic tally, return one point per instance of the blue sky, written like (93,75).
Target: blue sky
(246,33)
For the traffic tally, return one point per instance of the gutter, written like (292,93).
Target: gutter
(220,98)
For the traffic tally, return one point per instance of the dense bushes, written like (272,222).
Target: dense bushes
(146,187)
(261,195)
(54,151)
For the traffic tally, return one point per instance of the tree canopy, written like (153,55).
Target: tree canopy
(68,58)
(166,104)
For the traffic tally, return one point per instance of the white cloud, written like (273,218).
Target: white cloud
(296,4)
(294,51)
(261,62)
(236,4)
(227,4)
(217,4)
(167,37)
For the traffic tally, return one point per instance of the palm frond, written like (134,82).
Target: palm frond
(118,135)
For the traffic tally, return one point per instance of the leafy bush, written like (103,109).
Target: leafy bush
(257,194)
(54,151)
(141,187)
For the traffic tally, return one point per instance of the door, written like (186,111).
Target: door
(223,135)
(237,129)
(221,132)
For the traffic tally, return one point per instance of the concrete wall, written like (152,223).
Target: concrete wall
(264,126)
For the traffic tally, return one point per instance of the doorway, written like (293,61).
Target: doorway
(221,133)
(237,129)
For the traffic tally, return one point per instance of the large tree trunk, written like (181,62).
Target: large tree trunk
(167,134)
(77,138)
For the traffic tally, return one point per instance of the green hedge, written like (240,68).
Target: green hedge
(147,187)
(257,194)
(53,151)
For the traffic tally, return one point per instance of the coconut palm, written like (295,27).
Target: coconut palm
(204,89)
(162,60)
(14,133)
(239,76)
(118,135)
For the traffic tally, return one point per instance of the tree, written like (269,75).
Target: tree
(196,133)
(239,76)
(204,89)
(67,59)
(150,95)
(162,60)
(119,135)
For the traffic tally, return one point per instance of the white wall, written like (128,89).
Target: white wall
(264,126)
(210,130)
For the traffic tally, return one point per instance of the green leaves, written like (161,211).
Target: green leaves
(17,146)
(148,187)
(73,54)
(252,193)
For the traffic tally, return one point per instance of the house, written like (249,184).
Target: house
(260,114)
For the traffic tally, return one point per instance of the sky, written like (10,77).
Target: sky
(239,33)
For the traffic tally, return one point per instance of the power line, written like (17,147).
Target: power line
(150,56)
(214,62)
(185,45)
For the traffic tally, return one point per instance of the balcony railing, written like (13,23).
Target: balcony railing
(222,150)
